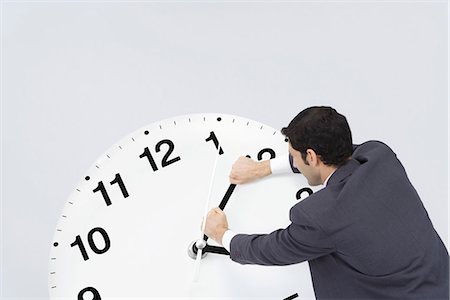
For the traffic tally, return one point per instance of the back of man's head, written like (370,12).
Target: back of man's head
(323,130)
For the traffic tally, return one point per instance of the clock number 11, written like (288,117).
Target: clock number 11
(101,188)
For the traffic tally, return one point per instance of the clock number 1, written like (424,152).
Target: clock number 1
(101,188)
(78,242)
(212,137)
(165,162)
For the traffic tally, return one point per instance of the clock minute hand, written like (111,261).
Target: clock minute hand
(200,244)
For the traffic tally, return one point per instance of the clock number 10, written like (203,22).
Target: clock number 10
(165,162)
(78,242)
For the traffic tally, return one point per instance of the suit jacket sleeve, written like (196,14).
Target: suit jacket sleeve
(302,240)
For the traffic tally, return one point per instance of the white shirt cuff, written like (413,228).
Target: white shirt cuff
(280,164)
(226,239)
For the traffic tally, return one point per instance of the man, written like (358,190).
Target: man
(366,235)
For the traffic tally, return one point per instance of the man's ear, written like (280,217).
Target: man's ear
(312,157)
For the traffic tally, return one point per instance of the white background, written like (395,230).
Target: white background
(79,76)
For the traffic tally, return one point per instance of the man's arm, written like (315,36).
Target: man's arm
(302,240)
(246,169)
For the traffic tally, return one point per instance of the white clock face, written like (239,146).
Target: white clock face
(126,228)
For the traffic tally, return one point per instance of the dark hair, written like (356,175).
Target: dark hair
(323,130)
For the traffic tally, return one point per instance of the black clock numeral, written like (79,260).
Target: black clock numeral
(165,161)
(266,150)
(119,181)
(101,188)
(212,137)
(90,289)
(150,158)
(304,190)
(78,242)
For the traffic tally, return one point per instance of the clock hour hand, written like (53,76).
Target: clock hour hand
(224,202)
(193,249)
(210,249)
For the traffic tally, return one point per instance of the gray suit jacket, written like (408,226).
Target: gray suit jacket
(366,235)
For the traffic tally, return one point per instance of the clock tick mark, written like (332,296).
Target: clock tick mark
(52,273)
(189,120)
(97,167)
(286,140)
(248,122)
(261,127)
(87,177)
(160,127)
(70,202)
(175,123)
(274,133)
(120,147)
(55,244)
(146,132)
(233,121)
(108,156)
(58,230)
(133,139)
(78,190)
(53,258)
(64,216)
(219,119)
(54,287)
(204,118)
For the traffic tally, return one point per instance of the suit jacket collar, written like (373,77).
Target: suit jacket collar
(344,171)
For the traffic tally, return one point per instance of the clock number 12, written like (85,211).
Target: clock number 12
(165,162)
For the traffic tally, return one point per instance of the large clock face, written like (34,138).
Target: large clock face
(126,228)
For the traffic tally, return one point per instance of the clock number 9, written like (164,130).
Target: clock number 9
(78,242)
(165,162)
(89,289)
(101,188)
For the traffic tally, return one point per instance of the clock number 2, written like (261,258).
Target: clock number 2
(266,150)
(101,188)
(78,242)
(94,292)
(165,162)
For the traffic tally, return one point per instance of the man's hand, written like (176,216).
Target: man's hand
(216,224)
(246,169)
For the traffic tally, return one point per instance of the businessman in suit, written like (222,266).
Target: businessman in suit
(366,234)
